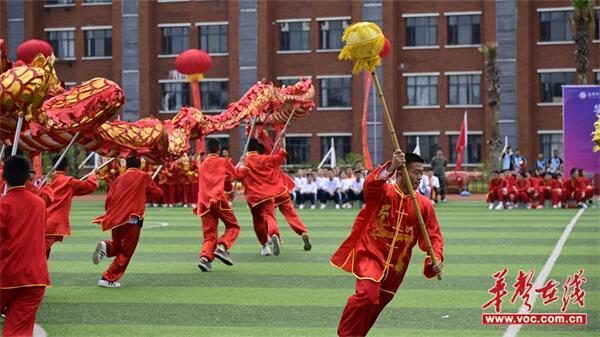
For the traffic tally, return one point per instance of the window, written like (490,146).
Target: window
(293,36)
(224,140)
(63,43)
(213,38)
(175,95)
(472,151)
(550,142)
(342,145)
(69,85)
(551,85)
(421,31)
(175,40)
(214,95)
(555,26)
(97,1)
(464,89)
(427,145)
(335,92)
(464,29)
(288,81)
(298,149)
(421,90)
(330,34)
(60,2)
(98,42)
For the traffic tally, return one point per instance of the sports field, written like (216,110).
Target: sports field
(299,293)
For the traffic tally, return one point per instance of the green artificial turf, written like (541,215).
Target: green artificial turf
(299,293)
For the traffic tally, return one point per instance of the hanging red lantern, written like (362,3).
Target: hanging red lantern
(193,63)
(29,49)
(387,47)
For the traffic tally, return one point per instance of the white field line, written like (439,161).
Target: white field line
(155,224)
(513,329)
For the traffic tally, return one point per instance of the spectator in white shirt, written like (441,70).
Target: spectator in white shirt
(346,182)
(298,179)
(434,182)
(424,187)
(319,179)
(308,191)
(331,190)
(355,193)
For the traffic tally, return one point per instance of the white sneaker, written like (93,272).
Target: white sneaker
(559,204)
(555,206)
(499,207)
(313,206)
(108,284)
(276,245)
(265,251)
(490,207)
(510,207)
(302,206)
(529,206)
(323,206)
(540,206)
(337,206)
(99,253)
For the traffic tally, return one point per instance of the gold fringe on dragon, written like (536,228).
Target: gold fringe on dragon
(53,115)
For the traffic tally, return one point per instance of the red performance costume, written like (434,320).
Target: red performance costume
(523,187)
(23,266)
(65,188)
(495,190)
(284,202)
(261,190)
(388,220)
(549,189)
(214,205)
(125,206)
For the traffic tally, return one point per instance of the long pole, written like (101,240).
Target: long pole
(157,171)
(405,176)
(98,168)
(15,144)
(2,151)
(86,160)
(252,124)
(60,159)
(287,123)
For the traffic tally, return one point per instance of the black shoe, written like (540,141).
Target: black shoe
(276,245)
(204,264)
(307,245)
(224,256)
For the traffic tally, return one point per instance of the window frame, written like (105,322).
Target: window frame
(186,43)
(337,137)
(469,149)
(201,25)
(320,78)
(184,99)
(432,148)
(551,133)
(430,75)
(458,44)
(416,18)
(550,72)
(305,34)
(470,92)
(219,109)
(71,30)
(345,23)
(87,29)
(290,148)
(567,11)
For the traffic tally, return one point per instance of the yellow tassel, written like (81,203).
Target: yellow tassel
(364,42)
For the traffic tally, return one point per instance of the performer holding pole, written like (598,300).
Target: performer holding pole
(385,231)
(98,168)
(60,159)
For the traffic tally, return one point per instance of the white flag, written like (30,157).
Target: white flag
(417,149)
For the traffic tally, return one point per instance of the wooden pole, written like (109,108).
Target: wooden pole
(405,176)
(287,123)
(97,168)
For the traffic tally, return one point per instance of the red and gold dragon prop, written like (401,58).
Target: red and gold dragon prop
(53,116)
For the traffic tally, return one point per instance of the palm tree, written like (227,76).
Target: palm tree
(582,22)
(490,52)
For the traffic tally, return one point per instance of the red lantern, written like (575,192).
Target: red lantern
(387,47)
(29,49)
(193,63)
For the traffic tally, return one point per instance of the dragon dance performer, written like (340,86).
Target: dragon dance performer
(284,202)
(64,188)
(125,206)
(261,190)
(23,266)
(380,245)
(214,205)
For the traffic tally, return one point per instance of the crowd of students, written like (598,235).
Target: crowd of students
(533,188)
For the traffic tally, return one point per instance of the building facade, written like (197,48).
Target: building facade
(433,74)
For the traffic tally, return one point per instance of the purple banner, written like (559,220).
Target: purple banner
(581,104)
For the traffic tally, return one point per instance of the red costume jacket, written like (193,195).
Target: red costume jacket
(127,197)
(522,185)
(388,220)
(22,244)
(550,183)
(65,188)
(212,174)
(494,184)
(284,180)
(261,182)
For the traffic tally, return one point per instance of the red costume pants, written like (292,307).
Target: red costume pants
(264,221)
(210,227)
(522,196)
(573,195)
(495,195)
(545,194)
(289,213)
(21,307)
(363,308)
(50,240)
(168,197)
(124,241)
